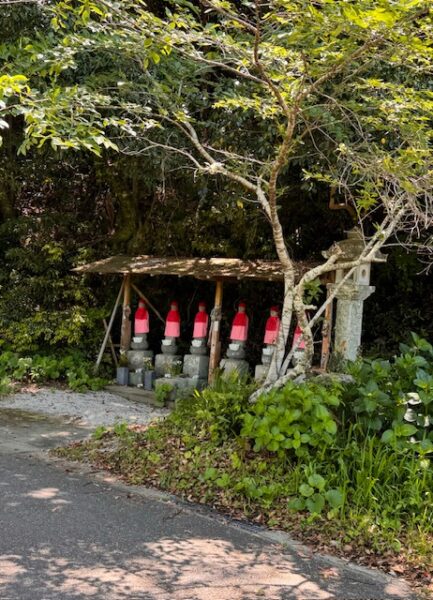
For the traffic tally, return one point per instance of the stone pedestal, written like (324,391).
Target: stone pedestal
(140,342)
(180,386)
(196,365)
(136,358)
(136,378)
(198,346)
(261,372)
(228,365)
(165,362)
(236,350)
(169,346)
(348,323)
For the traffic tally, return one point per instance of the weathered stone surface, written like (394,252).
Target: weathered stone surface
(260,372)
(328,379)
(198,346)
(165,362)
(236,350)
(267,353)
(139,345)
(195,365)
(169,346)
(136,378)
(181,385)
(200,351)
(136,358)
(228,365)
(348,324)
(298,355)
(140,342)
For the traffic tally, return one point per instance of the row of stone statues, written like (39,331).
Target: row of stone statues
(238,332)
(192,369)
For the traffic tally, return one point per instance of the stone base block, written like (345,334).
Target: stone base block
(169,346)
(176,387)
(201,351)
(136,358)
(260,372)
(136,379)
(165,362)
(139,345)
(298,355)
(139,342)
(236,354)
(228,365)
(195,365)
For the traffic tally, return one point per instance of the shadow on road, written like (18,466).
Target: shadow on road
(67,536)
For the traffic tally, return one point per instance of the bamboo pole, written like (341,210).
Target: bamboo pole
(125,335)
(215,344)
(110,343)
(157,313)
(108,331)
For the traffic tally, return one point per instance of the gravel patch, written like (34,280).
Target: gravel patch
(90,408)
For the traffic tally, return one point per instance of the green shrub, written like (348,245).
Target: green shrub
(294,418)
(163,392)
(72,368)
(394,398)
(217,411)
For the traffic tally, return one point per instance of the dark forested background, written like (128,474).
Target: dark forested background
(60,209)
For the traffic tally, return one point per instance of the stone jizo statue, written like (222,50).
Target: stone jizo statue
(272,326)
(239,333)
(172,329)
(141,319)
(201,322)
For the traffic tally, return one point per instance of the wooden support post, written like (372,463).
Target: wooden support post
(108,330)
(326,335)
(215,344)
(125,335)
(157,313)
(110,343)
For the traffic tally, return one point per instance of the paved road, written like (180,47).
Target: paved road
(68,534)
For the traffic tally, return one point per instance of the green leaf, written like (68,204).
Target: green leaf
(388,436)
(317,481)
(331,426)
(405,430)
(306,490)
(296,504)
(315,504)
(210,473)
(334,497)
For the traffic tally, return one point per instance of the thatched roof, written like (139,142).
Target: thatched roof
(200,268)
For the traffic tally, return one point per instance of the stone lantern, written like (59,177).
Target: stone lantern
(351,294)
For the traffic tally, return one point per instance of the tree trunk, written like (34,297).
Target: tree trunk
(283,336)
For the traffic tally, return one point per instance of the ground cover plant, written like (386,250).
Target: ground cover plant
(70,368)
(346,466)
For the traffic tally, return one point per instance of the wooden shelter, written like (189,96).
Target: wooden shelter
(212,269)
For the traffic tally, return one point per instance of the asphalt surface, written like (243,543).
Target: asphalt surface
(67,533)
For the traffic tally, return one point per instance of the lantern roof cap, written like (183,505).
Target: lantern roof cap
(352,247)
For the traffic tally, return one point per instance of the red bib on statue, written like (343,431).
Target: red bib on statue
(239,330)
(141,320)
(201,322)
(172,323)
(271,330)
